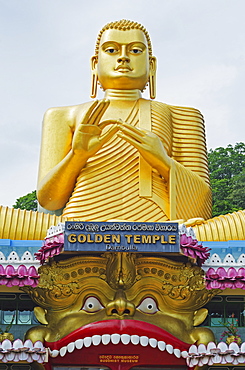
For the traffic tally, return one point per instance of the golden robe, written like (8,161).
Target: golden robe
(118,184)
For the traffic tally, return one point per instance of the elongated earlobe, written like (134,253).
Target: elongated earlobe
(152,78)
(94,78)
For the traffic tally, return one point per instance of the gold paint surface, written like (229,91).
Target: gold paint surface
(120,282)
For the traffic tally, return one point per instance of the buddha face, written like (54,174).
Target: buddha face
(123,60)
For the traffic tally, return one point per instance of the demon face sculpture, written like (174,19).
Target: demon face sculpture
(93,300)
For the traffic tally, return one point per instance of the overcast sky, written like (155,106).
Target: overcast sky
(45,47)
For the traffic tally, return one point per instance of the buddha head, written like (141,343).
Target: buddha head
(123,58)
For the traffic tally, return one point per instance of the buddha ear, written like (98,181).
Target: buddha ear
(40,314)
(94,77)
(200,316)
(152,77)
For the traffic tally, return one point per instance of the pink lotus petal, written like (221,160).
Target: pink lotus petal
(22,271)
(232,273)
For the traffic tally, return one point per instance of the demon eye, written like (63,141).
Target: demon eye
(92,304)
(148,305)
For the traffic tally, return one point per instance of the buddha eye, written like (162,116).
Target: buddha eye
(92,304)
(148,305)
(135,51)
(111,50)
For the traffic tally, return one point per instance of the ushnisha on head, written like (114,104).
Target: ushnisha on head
(123,58)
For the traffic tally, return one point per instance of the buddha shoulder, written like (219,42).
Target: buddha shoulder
(176,111)
(67,116)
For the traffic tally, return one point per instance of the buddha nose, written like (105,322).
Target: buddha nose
(123,57)
(120,305)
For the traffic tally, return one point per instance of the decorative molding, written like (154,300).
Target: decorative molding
(225,278)
(22,351)
(213,354)
(21,276)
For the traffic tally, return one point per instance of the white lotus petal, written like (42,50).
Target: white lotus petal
(193,350)
(71,347)
(194,362)
(6,344)
(29,358)
(106,338)
(115,338)
(234,347)
(125,338)
(63,351)
(153,342)
(144,341)
(211,345)
(23,356)
(35,356)
(41,359)
(184,354)
(1,355)
(54,353)
(243,347)
(9,356)
(241,359)
(210,361)
(135,339)
(79,343)
(17,344)
(28,343)
(5,360)
(222,346)
(235,362)
(96,339)
(223,360)
(205,360)
(17,357)
(169,349)
(38,344)
(217,359)
(229,359)
(161,345)
(87,341)
(202,349)
(177,352)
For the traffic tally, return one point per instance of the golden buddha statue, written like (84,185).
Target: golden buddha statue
(124,157)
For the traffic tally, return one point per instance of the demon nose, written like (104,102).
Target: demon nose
(120,305)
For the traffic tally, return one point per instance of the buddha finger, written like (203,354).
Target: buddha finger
(130,140)
(105,137)
(137,130)
(90,110)
(98,112)
(131,133)
(107,122)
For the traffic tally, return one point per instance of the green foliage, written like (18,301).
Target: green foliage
(28,201)
(227,176)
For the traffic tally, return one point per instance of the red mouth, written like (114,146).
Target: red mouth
(110,342)
(131,328)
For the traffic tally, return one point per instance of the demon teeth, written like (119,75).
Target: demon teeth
(87,341)
(153,342)
(170,349)
(144,341)
(115,338)
(161,345)
(106,339)
(71,347)
(79,343)
(63,351)
(125,338)
(96,339)
(135,339)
